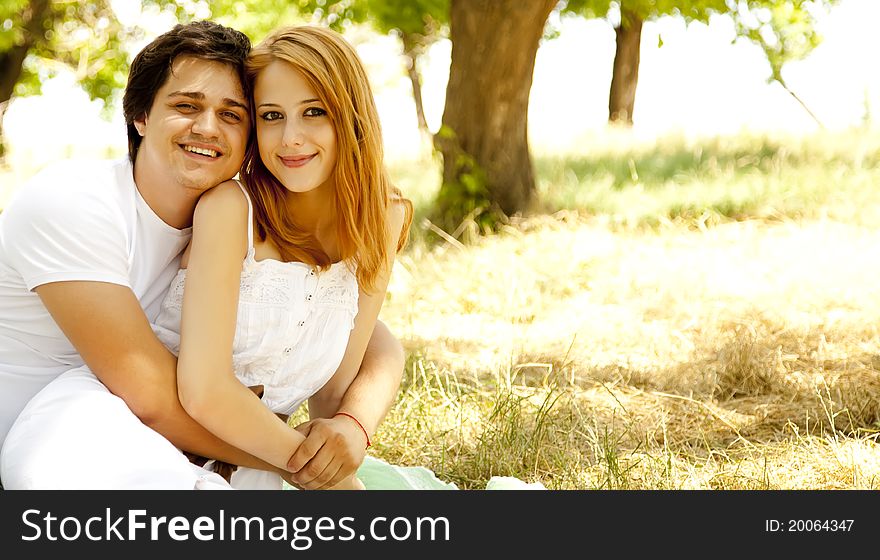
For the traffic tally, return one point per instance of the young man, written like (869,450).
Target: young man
(87,252)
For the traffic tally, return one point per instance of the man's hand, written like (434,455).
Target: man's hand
(333,450)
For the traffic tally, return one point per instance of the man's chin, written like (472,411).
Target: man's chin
(199,182)
(198,185)
(205,174)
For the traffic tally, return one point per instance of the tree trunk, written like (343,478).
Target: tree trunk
(11,63)
(12,60)
(484,141)
(3,106)
(625,78)
(412,51)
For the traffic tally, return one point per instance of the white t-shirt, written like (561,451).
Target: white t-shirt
(72,221)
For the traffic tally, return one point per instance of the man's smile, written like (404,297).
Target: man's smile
(211,152)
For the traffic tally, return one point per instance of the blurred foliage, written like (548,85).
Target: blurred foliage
(423,18)
(427,18)
(420,22)
(11,32)
(255,18)
(784,29)
(692,10)
(84,37)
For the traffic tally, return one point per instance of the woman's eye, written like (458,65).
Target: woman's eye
(271,116)
(314,112)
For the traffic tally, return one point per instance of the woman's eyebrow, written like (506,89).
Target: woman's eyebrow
(303,102)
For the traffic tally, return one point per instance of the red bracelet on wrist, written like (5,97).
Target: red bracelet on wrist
(356,421)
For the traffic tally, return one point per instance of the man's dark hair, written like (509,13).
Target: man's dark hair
(150,68)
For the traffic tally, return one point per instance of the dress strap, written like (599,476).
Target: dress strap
(250,231)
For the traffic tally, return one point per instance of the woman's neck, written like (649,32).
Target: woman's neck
(314,212)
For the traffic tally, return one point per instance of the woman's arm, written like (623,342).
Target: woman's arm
(362,390)
(207,386)
(107,326)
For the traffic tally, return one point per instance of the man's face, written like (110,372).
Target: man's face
(197,129)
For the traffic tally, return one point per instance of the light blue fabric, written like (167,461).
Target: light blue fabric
(377,474)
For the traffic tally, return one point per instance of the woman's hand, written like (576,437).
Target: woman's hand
(333,450)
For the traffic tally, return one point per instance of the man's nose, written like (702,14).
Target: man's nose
(206,124)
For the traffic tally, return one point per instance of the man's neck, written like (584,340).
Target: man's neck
(172,203)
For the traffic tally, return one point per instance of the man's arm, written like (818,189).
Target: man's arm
(373,390)
(108,328)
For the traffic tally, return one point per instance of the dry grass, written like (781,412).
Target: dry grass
(565,350)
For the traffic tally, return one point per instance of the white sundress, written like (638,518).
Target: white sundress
(291,331)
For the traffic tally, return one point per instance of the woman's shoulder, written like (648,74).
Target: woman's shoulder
(227,193)
(398,212)
(225,203)
(226,199)
(400,215)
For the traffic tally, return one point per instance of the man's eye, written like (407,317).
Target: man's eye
(231,116)
(271,116)
(185,107)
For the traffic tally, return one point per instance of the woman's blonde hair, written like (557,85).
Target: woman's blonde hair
(363,188)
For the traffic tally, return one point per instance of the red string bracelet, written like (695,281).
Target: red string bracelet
(356,421)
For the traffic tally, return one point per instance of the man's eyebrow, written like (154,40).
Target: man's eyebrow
(235,103)
(199,96)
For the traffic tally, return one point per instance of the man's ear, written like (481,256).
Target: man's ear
(140,124)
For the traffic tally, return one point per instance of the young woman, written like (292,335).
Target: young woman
(286,272)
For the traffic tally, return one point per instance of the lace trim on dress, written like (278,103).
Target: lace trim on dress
(259,287)
(174,298)
(337,287)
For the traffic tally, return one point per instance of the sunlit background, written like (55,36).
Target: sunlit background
(698,82)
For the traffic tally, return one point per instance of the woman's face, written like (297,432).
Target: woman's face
(296,139)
